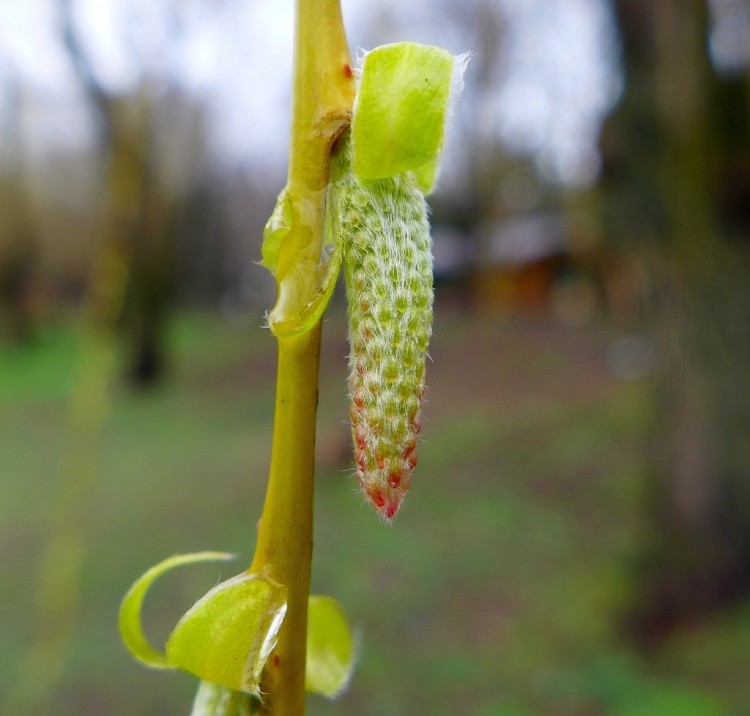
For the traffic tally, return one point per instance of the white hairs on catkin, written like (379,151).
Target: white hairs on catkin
(388,267)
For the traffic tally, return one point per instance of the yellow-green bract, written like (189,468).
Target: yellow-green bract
(399,114)
(227,635)
(225,638)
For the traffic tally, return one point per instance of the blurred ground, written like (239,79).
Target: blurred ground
(500,588)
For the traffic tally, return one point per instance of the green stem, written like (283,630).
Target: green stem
(285,534)
(321,108)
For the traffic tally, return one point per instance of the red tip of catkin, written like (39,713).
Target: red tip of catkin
(390,510)
(348,72)
(377,498)
(385,502)
(387,509)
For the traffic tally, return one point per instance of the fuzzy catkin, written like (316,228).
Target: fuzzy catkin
(388,266)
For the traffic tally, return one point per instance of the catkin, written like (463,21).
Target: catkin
(388,266)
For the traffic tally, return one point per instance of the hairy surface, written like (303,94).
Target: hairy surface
(388,264)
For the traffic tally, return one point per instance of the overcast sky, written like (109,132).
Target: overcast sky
(558,57)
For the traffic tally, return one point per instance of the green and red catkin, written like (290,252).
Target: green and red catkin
(388,264)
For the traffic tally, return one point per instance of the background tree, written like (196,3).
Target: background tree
(675,190)
(17,253)
(144,201)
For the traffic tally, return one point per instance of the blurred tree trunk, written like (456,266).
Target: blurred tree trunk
(17,260)
(674,150)
(487,159)
(17,229)
(137,223)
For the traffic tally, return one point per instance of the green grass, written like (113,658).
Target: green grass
(496,593)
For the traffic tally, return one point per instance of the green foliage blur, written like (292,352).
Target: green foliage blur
(500,589)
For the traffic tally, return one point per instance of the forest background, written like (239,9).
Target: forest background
(577,538)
